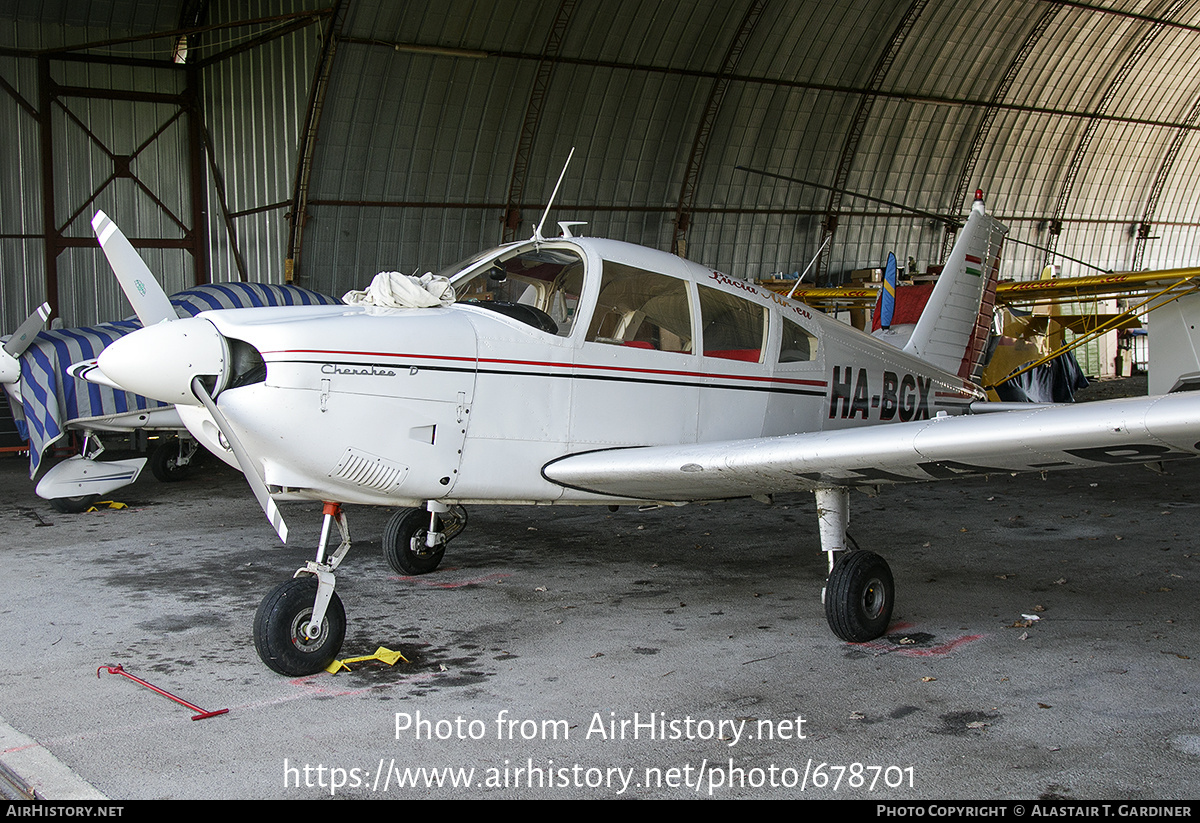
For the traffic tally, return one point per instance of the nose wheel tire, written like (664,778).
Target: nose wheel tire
(73,505)
(404,539)
(279,623)
(859,596)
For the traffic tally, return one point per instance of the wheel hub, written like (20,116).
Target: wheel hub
(417,544)
(874,598)
(304,634)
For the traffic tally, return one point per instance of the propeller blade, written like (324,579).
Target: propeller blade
(148,299)
(249,468)
(23,336)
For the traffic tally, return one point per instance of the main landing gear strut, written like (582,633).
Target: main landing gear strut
(414,540)
(300,625)
(859,593)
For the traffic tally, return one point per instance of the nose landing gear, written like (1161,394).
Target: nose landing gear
(284,622)
(300,625)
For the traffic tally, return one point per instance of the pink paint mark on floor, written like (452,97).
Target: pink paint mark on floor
(455,584)
(889,647)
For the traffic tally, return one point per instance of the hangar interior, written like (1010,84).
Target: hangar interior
(322,141)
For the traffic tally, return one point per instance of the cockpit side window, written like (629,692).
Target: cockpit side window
(642,309)
(540,287)
(797,345)
(734,328)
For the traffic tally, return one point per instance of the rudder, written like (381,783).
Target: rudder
(953,328)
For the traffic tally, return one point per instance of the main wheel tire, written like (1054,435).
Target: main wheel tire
(404,543)
(279,624)
(164,461)
(73,505)
(859,596)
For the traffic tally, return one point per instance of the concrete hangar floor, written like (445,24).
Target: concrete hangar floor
(577,652)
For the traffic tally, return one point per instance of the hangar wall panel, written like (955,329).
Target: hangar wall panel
(254,106)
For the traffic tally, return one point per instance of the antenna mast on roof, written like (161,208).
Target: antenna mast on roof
(537,232)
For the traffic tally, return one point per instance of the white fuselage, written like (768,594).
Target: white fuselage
(467,404)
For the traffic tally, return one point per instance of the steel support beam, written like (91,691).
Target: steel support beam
(198,236)
(1146,224)
(1081,148)
(965,182)
(51,237)
(308,143)
(687,189)
(854,134)
(533,117)
(54,237)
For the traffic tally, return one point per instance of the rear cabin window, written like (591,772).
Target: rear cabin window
(642,309)
(733,328)
(797,345)
(540,288)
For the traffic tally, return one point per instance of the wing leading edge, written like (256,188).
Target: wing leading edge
(1115,432)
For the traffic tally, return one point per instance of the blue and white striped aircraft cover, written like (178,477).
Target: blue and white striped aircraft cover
(53,400)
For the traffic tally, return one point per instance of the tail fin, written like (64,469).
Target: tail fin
(953,328)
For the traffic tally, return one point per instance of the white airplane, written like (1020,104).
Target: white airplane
(578,371)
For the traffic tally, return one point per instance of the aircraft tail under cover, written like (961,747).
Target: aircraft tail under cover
(953,328)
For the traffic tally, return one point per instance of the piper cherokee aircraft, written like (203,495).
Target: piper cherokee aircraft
(577,371)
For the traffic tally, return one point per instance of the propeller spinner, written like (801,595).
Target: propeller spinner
(22,338)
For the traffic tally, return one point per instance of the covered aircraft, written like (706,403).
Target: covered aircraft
(49,402)
(579,371)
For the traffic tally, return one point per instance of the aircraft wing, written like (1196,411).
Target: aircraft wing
(1062,289)
(1137,430)
(1117,284)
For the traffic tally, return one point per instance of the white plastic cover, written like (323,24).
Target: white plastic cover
(392,289)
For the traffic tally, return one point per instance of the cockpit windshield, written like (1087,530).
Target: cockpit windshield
(469,262)
(539,286)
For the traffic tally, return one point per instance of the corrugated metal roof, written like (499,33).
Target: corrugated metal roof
(1074,111)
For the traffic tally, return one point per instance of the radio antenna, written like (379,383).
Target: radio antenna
(537,232)
(810,265)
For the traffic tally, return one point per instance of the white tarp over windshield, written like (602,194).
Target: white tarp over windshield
(392,289)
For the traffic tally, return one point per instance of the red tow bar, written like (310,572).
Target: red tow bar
(121,671)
